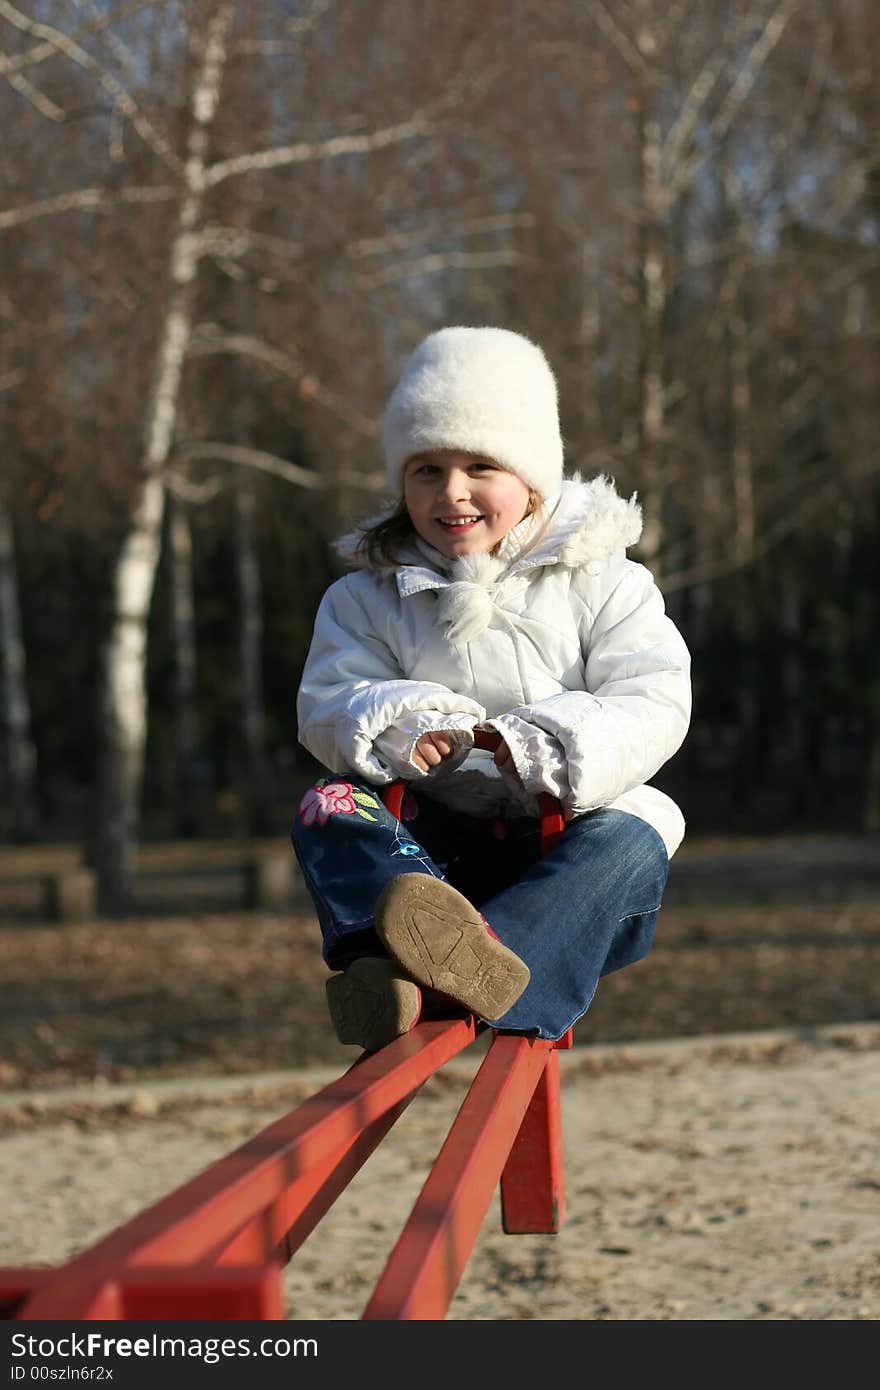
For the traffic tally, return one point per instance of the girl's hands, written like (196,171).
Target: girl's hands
(504,760)
(431,749)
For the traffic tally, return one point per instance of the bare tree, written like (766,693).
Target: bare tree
(674,205)
(20,759)
(186,727)
(194,179)
(124,698)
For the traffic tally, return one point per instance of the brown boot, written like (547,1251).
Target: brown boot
(442,942)
(372,1003)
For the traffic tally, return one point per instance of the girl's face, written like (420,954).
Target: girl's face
(460,503)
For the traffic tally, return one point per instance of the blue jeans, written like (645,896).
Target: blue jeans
(586,908)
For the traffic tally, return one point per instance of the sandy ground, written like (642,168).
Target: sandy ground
(727,1177)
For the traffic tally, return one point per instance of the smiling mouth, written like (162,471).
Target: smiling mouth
(458,523)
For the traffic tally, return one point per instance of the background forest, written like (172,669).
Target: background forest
(223,227)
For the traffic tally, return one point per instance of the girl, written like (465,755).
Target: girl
(492,596)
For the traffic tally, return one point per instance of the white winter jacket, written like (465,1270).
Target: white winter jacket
(560,643)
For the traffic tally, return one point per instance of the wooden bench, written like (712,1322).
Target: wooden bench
(216,1247)
(53,884)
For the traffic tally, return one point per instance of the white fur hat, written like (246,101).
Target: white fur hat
(484,391)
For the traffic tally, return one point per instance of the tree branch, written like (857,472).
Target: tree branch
(284,155)
(188,491)
(229,243)
(264,462)
(119,50)
(14,377)
(746,78)
(757,57)
(685,122)
(297,28)
(441,260)
(208,340)
(217,239)
(819,499)
(121,98)
(612,31)
(398,241)
(42,51)
(674,17)
(85,200)
(215,451)
(45,105)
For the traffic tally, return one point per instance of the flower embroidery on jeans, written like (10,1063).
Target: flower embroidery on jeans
(407,849)
(326,799)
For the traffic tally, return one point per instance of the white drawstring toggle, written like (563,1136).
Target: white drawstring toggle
(465,610)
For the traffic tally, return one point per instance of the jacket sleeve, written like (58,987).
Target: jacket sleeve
(355,709)
(588,747)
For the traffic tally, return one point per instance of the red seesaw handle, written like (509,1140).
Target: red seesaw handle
(552,822)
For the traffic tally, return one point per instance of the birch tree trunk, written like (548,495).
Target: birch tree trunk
(801,733)
(185,667)
(871,812)
(739,382)
(20,753)
(123,715)
(250,619)
(752,746)
(652,310)
(589,346)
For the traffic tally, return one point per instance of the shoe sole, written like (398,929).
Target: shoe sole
(371,1004)
(441,941)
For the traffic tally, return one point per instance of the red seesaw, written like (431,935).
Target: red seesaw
(215,1248)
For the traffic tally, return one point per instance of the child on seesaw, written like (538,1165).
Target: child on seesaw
(492,595)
